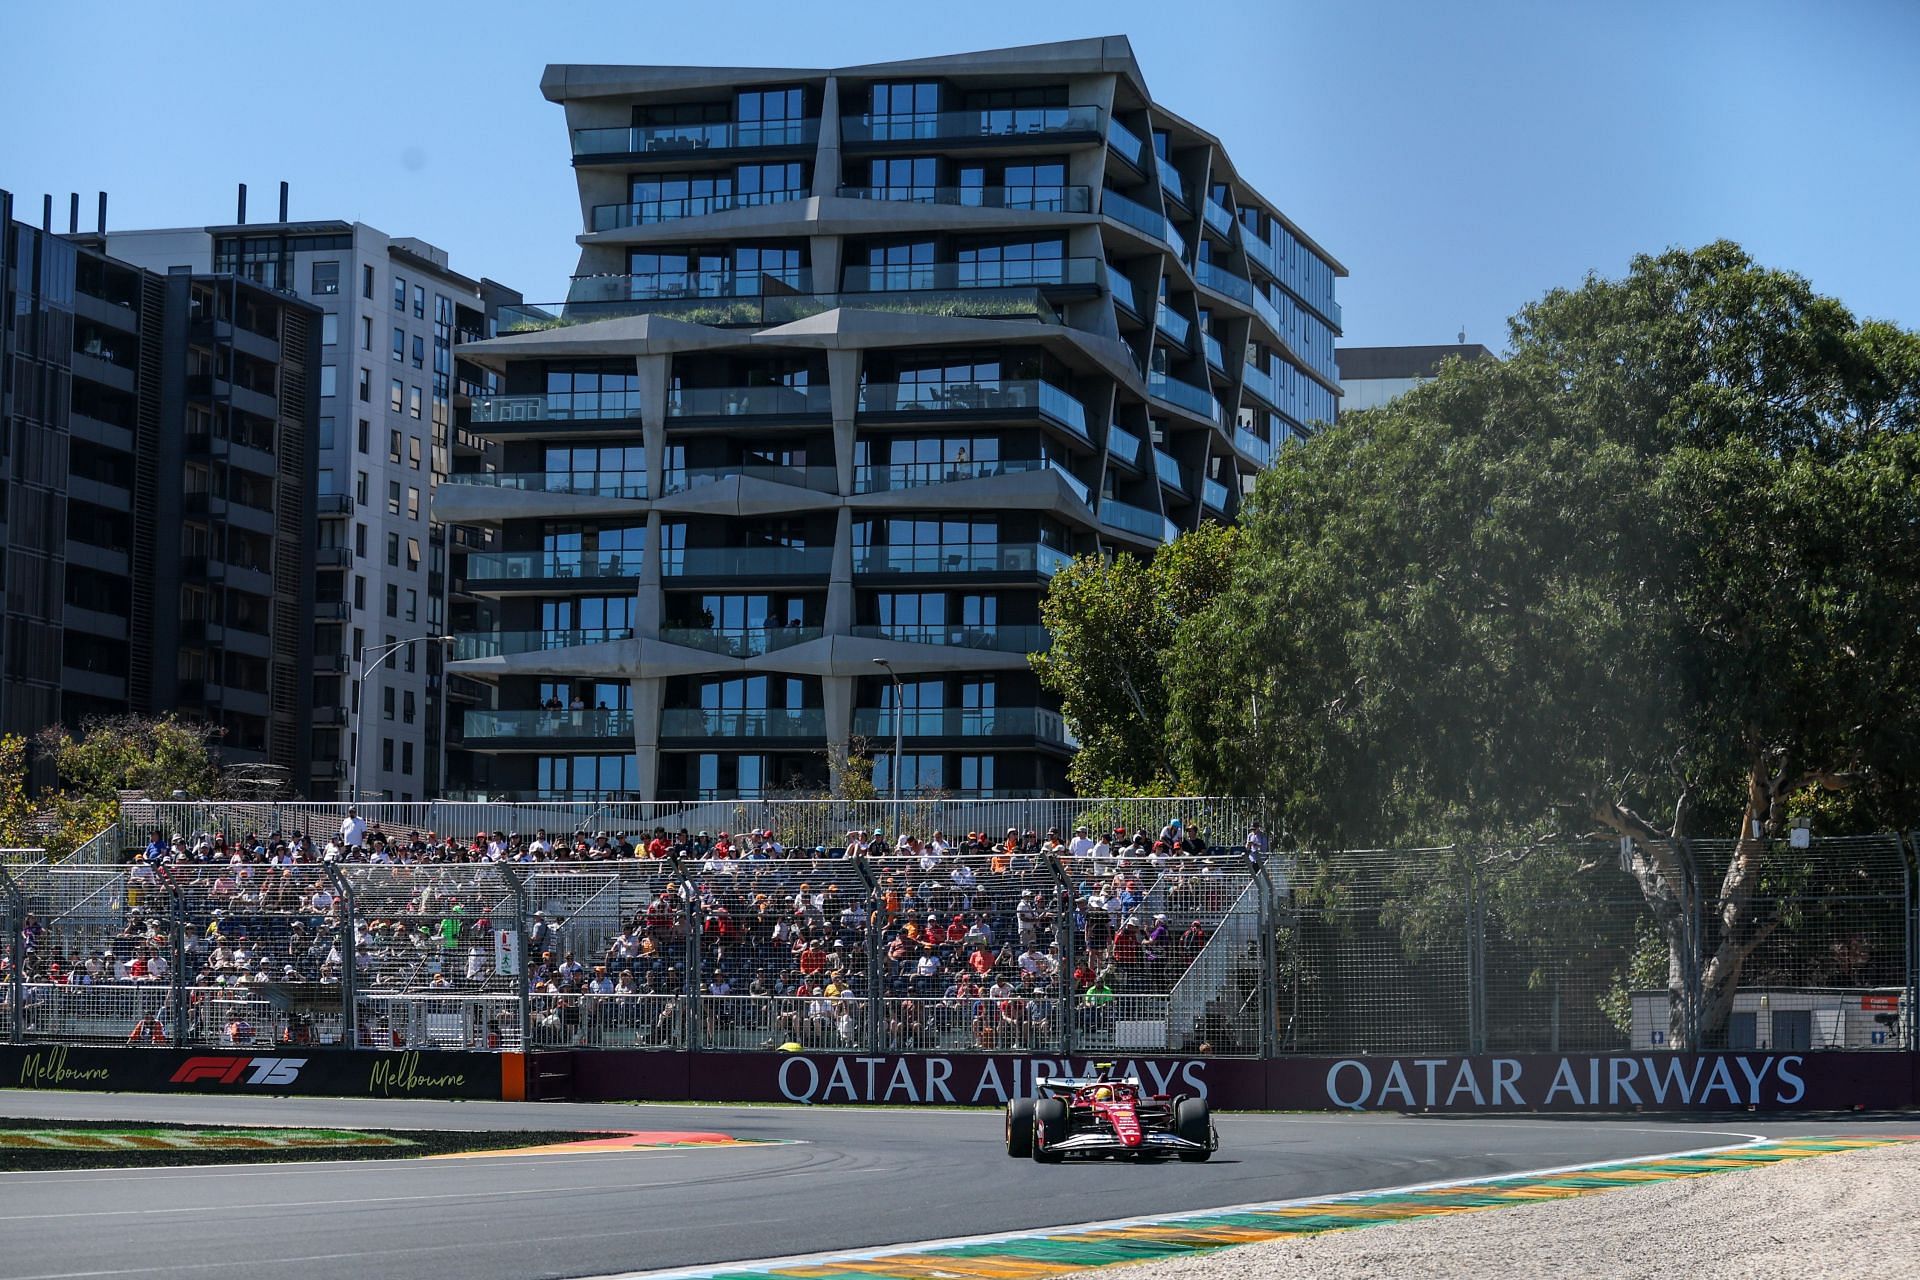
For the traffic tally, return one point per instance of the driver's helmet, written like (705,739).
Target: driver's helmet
(1103,1094)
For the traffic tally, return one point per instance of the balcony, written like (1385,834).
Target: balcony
(1121,288)
(542,566)
(1041,272)
(739,642)
(683,141)
(1135,520)
(1215,355)
(1260,382)
(1184,394)
(687,479)
(1177,327)
(746,562)
(1034,199)
(1253,446)
(646,213)
(1221,280)
(498,644)
(1214,495)
(559,406)
(329,664)
(333,504)
(1005,397)
(1004,557)
(999,125)
(1123,444)
(732,402)
(596,484)
(889,478)
(1216,216)
(333,557)
(760,311)
(331,611)
(1264,307)
(1142,219)
(961,722)
(679,285)
(743,722)
(995,638)
(1170,178)
(1126,144)
(324,717)
(1169,471)
(534,728)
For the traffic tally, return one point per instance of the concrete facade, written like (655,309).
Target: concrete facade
(854,361)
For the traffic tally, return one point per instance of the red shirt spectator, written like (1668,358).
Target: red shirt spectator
(812,959)
(981,962)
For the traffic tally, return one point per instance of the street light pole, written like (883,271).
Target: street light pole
(381,653)
(899,713)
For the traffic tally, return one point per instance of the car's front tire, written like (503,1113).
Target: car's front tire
(1193,1122)
(1049,1126)
(1020,1128)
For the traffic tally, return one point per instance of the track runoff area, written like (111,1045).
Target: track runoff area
(810,1193)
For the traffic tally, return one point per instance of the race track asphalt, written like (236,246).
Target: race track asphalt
(855,1178)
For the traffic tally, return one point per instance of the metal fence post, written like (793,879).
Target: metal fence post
(1910,852)
(1064,933)
(349,958)
(1476,953)
(1269,962)
(1693,954)
(690,907)
(876,963)
(523,988)
(177,937)
(16,955)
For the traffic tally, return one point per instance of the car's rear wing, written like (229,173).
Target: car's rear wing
(1086,1082)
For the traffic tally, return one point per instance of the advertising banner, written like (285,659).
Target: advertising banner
(298,1070)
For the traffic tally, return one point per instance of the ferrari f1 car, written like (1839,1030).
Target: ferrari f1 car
(1101,1116)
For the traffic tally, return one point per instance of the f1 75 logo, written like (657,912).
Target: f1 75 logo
(227,1069)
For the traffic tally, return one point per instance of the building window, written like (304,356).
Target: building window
(413,503)
(360,442)
(329,330)
(366,386)
(393,550)
(326,432)
(366,333)
(399,344)
(326,278)
(976,773)
(366,282)
(413,554)
(359,592)
(407,708)
(413,605)
(360,540)
(399,293)
(406,748)
(386,710)
(393,600)
(413,452)
(393,444)
(419,352)
(393,497)
(419,302)
(917,773)
(396,395)
(327,478)
(413,403)
(329,379)
(360,488)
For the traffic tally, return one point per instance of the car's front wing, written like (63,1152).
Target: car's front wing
(1090,1141)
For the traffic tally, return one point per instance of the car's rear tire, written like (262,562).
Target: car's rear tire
(1193,1122)
(1049,1126)
(1020,1128)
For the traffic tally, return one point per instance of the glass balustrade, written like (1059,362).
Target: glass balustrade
(1217,217)
(743,722)
(1260,382)
(991,274)
(726,402)
(1121,515)
(560,406)
(1004,638)
(885,478)
(762,562)
(957,722)
(739,642)
(1007,395)
(676,139)
(992,122)
(1194,399)
(641,213)
(1221,280)
(686,479)
(1121,288)
(1168,470)
(498,644)
(1215,356)
(1126,143)
(1123,444)
(540,565)
(1140,218)
(1174,325)
(1253,446)
(540,724)
(1004,557)
(688,284)
(1214,494)
(1039,199)
(599,484)
(1170,178)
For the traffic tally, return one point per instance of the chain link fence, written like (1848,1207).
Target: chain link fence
(1435,951)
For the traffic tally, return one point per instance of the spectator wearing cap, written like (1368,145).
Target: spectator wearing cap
(1081,845)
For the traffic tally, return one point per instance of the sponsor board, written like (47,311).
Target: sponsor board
(345,1073)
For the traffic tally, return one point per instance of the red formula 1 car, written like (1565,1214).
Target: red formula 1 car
(1100,1116)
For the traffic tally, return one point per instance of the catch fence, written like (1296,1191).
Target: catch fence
(1562,948)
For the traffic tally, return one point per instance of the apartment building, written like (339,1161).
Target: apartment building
(391,312)
(855,360)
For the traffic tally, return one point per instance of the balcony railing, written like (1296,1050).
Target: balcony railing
(1168,471)
(996,123)
(960,722)
(1024,302)
(661,285)
(728,402)
(1217,217)
(333,504)
(537,725)
(644,213)
(1123,444)
(1221,280)
(1253,446)
(1214,494)
(497,644)
(743,722)
(1003,557)
(1195,399)
(1121,288)
(678,139)
(559,406)
(1007,395)
(1264,307)
(687,479)
(991,274)
(1148,524)
(1174,325)
(492,566)
(1216,356)
(745,562)
(598,484)
(1140,218)
(1126,143)
(739,642)
(1004,638)
(885,478)
(1037,199)
(335,557)
(1170,178)
(1260,382)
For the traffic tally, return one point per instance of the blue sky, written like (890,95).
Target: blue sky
(1458,158)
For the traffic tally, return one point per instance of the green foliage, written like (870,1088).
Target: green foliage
(1113,625)
(132,753)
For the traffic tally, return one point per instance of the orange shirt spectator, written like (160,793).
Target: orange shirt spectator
(981,962)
